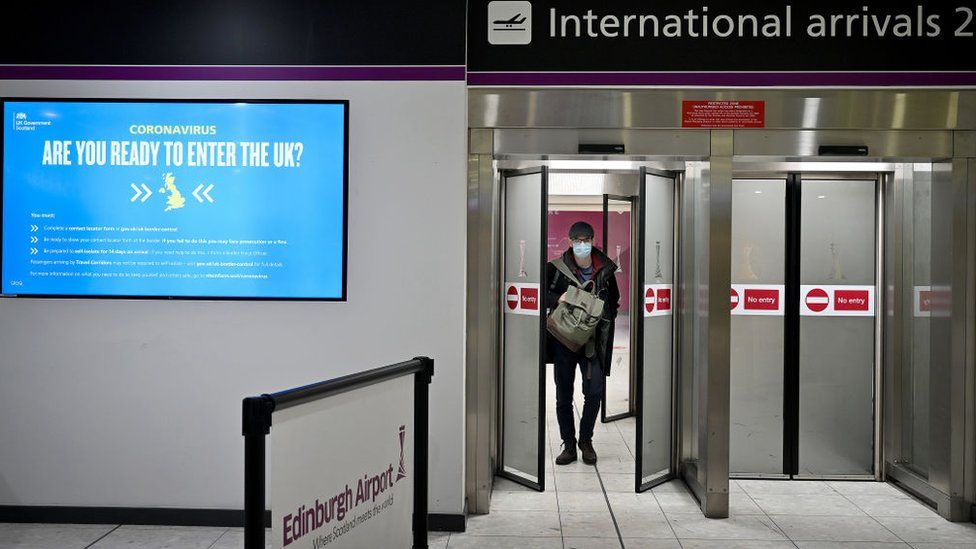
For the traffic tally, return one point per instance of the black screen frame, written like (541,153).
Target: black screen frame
(176,297)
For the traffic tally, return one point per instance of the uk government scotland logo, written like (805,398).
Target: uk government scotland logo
(509,23)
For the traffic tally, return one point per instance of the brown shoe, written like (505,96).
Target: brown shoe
(568,455)
(589,454)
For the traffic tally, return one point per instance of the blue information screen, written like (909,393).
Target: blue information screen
(174,199)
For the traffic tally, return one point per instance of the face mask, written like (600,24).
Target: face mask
(582,249)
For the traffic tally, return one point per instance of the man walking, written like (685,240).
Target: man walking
(593,359)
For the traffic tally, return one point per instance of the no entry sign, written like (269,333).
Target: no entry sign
(757,299)
(522,298)
(817,300)
(933,301)
(833,300)
(657,300)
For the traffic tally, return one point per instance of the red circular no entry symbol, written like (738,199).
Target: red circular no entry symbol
(733,298)
(512,296)
(649,300)
(817,300)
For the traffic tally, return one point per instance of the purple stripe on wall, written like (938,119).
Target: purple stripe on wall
(226,72)
(722,78)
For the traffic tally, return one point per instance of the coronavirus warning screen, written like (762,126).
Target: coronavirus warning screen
(174,199)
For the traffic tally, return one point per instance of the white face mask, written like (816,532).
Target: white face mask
(582,249)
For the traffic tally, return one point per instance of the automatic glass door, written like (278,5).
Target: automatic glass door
(803,302)
(523,388)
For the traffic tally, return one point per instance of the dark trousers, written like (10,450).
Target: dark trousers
(566,363)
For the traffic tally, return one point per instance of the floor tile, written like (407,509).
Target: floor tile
(935,529)
(515,523)
(642,525)
(696,526)
(161,537)
(849,488)
(618,482)
(891,506)
(923,545)
(800,528)
(676,502)
(438,540)
(523,501)
(736,544)
(636,503)
(577,482)
(587,525)
(234,539)
(791,487)
(646,543)
(582,502)
(467,541)
(592,543)
(620,466)
(807,504)
(852,545)
(741,503)
(43,536)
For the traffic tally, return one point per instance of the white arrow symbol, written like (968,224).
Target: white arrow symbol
(148,192)
(138,192)
(207,195)
(33,240)
(197,190)
(33,228)
(33,251)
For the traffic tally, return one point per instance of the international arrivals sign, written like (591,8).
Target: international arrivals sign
(724,36)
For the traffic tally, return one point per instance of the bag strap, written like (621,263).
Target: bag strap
(563,268)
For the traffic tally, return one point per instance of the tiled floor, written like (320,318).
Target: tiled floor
(589,507)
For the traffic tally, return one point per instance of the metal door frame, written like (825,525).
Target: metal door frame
(631,367)
(638,299)
(541,449)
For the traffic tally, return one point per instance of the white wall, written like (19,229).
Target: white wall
(138,403)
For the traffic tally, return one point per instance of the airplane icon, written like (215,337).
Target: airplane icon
(509,24)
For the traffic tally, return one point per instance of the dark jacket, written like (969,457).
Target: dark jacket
(605,280)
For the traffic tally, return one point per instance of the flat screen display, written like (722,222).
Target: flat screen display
(183,199)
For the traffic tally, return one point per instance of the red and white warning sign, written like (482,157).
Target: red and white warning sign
(757,299)
(657,300)
(522,298)
(831,300)
(723,114)
(933,301)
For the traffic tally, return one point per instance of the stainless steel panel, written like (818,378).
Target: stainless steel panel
(636,142)
(715,429)
(521,408)
(881,144)
(658,363)
(756,356)
(868,109)
(837,233)
(481,361)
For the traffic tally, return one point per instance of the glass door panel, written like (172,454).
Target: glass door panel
(523,334)
(837,328)
(617,244)
(655,331)
(756,332)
